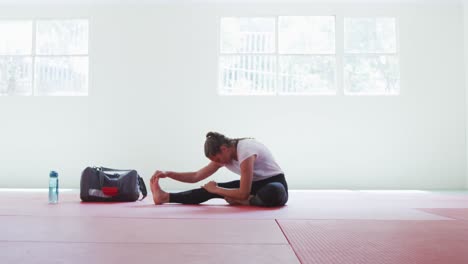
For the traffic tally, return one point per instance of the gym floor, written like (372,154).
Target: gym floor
(319,226)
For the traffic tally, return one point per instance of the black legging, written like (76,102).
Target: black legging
(272,191)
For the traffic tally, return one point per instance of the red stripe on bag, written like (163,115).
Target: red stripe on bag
(111,191)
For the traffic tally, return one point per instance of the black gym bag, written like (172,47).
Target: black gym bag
(99,184)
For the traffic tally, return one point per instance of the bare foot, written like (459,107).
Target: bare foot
(151,183)
(159,196)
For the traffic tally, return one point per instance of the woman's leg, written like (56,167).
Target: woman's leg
(200,195)
(272,194)
(269,192)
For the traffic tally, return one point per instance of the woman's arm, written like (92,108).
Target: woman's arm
(190,177)
(245,182)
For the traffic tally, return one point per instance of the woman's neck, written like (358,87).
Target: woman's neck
(234,152)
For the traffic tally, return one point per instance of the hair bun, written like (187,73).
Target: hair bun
(210,134)
(214,135)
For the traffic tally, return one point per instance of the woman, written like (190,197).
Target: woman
(261,183)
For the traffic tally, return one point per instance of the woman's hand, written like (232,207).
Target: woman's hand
(159,174)
(210,186)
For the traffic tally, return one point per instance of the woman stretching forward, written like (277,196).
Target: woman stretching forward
(262,182)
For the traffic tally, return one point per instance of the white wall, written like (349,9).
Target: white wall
(153,97)
(465,29)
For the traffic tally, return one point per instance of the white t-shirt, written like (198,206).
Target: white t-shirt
(265,165)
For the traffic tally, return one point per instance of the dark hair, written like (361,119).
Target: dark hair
(215,140)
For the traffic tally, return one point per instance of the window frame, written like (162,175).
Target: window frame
(368,54)
(277,55)
(339,56)
(34,55)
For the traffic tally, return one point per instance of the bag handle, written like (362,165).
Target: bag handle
(142,187)
(104,169)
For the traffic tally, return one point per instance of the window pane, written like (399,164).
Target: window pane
(307,74)
(307,35)
(371,75)
(370,35)
(15,76)
(15,37)
(247,74)
(62,37)
(247,35)
(61,76)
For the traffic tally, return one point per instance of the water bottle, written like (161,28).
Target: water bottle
(53,187)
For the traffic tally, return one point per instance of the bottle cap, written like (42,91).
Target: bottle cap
(53,174)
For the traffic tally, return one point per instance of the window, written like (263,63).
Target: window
(44,57)
(16,59)
(298,55)
(370,56)
(277,55)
